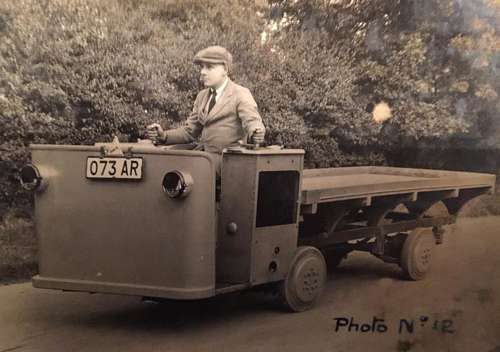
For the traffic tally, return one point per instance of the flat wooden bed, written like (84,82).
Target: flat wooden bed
(366,182)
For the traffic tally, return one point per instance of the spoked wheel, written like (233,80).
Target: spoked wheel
(305,281)
(417,253)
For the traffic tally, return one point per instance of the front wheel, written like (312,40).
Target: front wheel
(305,280)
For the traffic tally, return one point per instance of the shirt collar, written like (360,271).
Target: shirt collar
(222,87)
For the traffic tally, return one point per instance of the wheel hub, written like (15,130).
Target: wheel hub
(423,258)
(309,280)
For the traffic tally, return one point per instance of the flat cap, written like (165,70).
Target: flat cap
(215,55)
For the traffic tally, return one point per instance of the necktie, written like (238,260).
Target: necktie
(211,104)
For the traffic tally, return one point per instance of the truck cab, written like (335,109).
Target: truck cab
(138,219)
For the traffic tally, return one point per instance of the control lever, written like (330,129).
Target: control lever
(248,145)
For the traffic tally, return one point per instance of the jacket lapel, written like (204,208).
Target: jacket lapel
(202,108)
(222,101)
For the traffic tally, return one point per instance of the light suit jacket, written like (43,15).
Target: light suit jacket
(234,117)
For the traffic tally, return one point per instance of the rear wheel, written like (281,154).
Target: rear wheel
(417,252)
(305,280)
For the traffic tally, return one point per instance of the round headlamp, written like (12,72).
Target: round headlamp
(31,179)
(177,184)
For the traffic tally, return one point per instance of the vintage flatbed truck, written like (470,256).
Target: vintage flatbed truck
(157,221)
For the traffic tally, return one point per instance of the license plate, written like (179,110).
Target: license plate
(114,168)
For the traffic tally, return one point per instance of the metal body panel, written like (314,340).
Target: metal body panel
(126,237)
(270,150)
(123,288)
(274,244)
(237,205)
(246,256)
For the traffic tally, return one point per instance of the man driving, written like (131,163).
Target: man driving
(223,113)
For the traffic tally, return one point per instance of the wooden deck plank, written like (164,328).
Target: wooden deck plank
(320,185)
(322,182)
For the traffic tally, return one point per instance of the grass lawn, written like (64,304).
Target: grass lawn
(18,249)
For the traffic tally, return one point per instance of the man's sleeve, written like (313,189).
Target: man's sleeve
(191,129)
(248,112)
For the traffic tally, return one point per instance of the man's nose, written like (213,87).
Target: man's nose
(203,71)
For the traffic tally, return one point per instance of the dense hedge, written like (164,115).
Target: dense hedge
(80,71)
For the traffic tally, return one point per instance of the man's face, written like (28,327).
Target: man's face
(212,75)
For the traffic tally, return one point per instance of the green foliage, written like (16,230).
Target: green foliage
(18,250)
(434,63)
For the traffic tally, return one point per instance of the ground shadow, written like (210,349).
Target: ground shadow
(131,314)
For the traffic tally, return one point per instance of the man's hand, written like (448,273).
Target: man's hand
(258,135)
(155,132)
